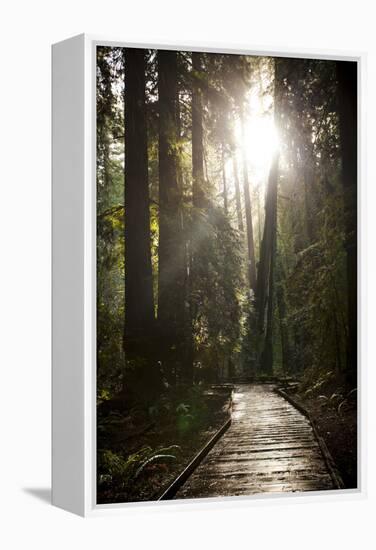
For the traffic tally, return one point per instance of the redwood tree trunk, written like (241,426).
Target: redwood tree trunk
(267,245)
(347,107)
(198,193)
(171,267)
(196,256)
(265,279)
(237,193)
(267,355)
(139,302)
(283,328)
(248,216)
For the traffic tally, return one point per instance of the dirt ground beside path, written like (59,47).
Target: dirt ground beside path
(338,426)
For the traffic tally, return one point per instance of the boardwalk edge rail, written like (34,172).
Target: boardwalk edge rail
(333,470)
(171,491)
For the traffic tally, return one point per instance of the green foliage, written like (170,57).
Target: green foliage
(120,473)
(217,286)
(114,469)
(157,458)
(311,224)
(215,330)
(314,286)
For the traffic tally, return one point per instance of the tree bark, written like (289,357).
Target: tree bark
(267,245)
(139,301)
(283,328)
(198,192)
(237,193)
(248,214)
(196,257)
(224,180)
(265,277)
(171,251)
(267,355)
(347,108)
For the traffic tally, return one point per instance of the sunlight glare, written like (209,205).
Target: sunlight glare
(261,142)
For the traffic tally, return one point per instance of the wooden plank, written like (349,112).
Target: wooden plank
(336,476)
(180,480)
(270,447)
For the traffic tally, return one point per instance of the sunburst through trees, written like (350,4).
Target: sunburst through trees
(226,239)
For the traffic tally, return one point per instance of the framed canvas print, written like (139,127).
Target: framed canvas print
(205,274)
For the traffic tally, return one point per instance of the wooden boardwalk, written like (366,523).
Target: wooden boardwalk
(269,448)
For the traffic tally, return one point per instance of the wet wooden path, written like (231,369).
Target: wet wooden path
(270,447)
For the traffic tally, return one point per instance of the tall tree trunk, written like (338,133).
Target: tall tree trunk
(139,302)
(258,221)
(267,245)
(265,275)
(188,374)
(224,179)
(198,192)
(267,355)
(171,250)
(283,328)
(248,213)
(309,182)
(347,107)
(237,193)
(105,101)
(196,256)
(186,345)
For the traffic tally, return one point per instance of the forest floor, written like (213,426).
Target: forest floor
(139,464)
(335,414)
(142,450)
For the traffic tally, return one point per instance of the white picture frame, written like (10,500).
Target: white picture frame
(74,277)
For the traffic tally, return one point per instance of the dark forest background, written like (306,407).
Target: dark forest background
(209,268)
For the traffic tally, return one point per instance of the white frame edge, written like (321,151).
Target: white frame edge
(74,279)
(68,320)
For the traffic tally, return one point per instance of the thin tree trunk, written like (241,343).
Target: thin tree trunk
(285,339)
(188,373)
(347,107)
(139,301)
(104,110)
(224,179)
(267,356)
(259,220)
(308,177)
(237,193)
(248,215)
(198,192)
